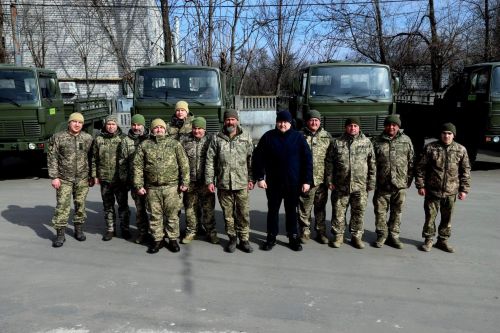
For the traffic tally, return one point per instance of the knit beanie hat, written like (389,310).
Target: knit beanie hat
(112,118)
(138,119)
(158,122)
(284,116)
(182,105)
(76,116)
(231,113)
(449,127)
(199,122)
(392,119)
(352,120)
(313,114)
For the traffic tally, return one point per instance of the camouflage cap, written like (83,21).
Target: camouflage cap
(449,127)
(231,113)
(76,116)
(392,119)
(313,114)
(352,120)
(112,118)
(182,105)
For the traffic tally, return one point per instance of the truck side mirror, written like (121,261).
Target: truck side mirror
(395,85)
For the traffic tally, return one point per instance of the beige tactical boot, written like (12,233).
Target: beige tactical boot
(304,238)
(188,238)
(395,242)
(321,238)
(380,241)
(442,244)
(357,242)
(427,246)
(337,241)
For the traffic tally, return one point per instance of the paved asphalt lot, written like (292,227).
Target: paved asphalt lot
(115,286)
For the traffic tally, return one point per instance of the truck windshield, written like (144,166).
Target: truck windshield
(171,85)
(347,83)
(18,87)
(495,83)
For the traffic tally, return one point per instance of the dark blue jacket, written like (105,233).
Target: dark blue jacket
(283,159)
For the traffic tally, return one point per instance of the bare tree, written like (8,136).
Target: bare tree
(280,23)
(2,38)
(167,32)
(34,30)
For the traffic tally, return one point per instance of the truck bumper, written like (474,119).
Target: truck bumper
(40,146)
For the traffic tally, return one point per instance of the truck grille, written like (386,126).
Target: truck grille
(213,125)
(20,129)
(369,124)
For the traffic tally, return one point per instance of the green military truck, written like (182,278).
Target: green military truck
(158,88)
(341,89)
(472,103)
(32,109)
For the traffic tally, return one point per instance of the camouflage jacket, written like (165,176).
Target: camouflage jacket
(126,155)
(69,155)
(352,165)
(395,158)
(229,161)
(105,156)
(321,144)
(443,170)
(175,132)
(160,161)
(196,151)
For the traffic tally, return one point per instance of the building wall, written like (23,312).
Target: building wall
(83,44)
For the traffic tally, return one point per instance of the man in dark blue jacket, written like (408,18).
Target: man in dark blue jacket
(282,165)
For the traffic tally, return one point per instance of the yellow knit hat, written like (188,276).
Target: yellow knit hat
(76,116)
(158,122)
(182,105)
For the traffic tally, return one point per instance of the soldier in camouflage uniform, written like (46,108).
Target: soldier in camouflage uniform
(442,172)
(181,120)
(106,173)
(228,167)
(161,171)
(198,197)
(68,167)
(353,176)
(320,142)
(137,134)
(394,156)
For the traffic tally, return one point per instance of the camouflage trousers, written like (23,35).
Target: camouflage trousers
(198,199)
(384,202)
(316,197)
(433,205)
(79,193)
(164,201)
(340,203)
(236,210)
(141,212)
(111,193)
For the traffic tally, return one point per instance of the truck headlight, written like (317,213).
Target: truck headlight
(496,139)
(31,145)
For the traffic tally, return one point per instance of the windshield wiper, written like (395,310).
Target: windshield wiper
(10,100)
(363,97)
(335,98)
(196,101)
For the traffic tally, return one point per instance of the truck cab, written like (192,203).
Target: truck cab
(158,88)
(339,90)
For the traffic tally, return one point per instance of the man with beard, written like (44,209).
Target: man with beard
(228,169)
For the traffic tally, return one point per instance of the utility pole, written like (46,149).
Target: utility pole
(15,33)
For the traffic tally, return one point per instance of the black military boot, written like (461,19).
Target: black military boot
(126,233)
(231,246)
(294,243)
(60,239)
(79,235)
(173,245)
(142,238)
(269,244)
(245,246)
(108,235)
(155,247)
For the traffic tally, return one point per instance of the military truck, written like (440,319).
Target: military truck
(341,89)
(32,109)
(472,103)
(158,88)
